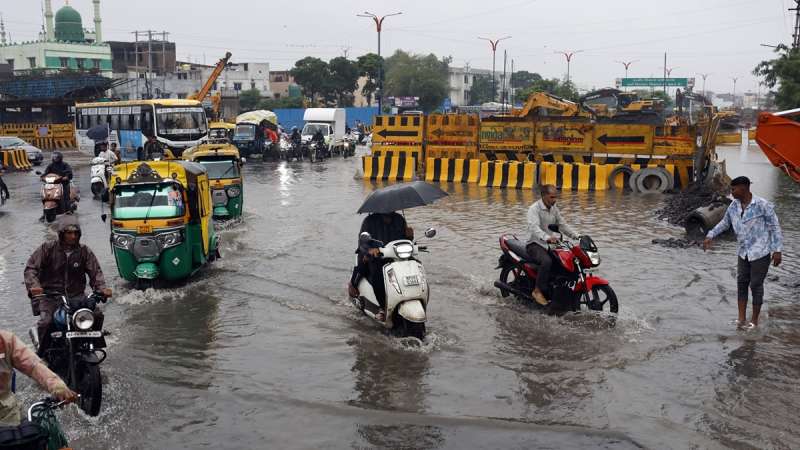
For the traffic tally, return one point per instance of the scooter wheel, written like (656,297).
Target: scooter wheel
(49,216)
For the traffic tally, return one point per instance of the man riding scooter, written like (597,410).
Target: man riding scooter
(64,170)
(384,228)
(541,215)
(60,267)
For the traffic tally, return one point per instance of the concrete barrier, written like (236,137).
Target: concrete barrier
(512,174)
(454,170)
(388,168)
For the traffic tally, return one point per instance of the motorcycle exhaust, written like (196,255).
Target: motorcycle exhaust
(506,287)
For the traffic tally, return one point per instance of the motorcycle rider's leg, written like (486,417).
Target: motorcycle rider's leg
(65,197)
(542,258)
(378,286)
(47,307)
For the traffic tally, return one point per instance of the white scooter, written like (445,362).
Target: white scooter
(405,284)
(100,170)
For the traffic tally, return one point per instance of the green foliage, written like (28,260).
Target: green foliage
(423,76)
(343,81)
(249,99)
(481,90)
(369,65)
(279,103)
(784,72)
(524,79)
(332,82)
(313,75)
(553,86)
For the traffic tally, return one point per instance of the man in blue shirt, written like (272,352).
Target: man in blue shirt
(758,233)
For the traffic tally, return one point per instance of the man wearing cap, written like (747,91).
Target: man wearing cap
(759,236)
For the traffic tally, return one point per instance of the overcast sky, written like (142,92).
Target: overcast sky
(720,37)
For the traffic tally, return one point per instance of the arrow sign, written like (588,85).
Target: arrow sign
(386,133)
(606,139)
(438,132)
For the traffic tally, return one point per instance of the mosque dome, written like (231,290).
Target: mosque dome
(69,26)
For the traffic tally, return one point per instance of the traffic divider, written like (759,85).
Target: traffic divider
(574,176)
(388,168)
(451,151)
(400,151)
(16,159)
(400,130)
(513,174)
(453,170)
(452,129)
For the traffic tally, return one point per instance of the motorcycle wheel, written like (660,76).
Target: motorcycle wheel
(143,284)
(97,189)
(412,329)
(602,296)
(50,216)
(90,387)
(509,277)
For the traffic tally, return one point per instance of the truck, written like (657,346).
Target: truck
(331,121)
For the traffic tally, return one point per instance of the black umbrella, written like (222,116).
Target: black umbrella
(98,132)
(401,196)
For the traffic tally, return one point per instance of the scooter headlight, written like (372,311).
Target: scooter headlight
(393,281)
(169,239)
(233,192)
(404,251)
(123,241)
(83,319)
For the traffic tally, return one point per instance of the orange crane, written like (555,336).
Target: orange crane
(778,135)
(203,92)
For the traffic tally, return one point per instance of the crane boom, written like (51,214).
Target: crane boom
(203,92)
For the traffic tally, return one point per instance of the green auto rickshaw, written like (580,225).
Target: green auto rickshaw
(224,168)
(161,220)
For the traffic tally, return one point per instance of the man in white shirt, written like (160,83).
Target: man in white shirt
(107,154)
(541,215)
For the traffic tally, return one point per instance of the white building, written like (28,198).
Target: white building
(63,44)
(461,80)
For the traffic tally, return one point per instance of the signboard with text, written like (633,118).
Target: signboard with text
(655,82)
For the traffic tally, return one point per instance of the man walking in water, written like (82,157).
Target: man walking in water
(759,236)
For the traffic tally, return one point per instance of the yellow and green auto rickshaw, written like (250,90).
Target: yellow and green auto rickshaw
(220,132)
(224,166)
(161,220)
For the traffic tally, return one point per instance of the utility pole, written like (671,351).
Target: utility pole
(704,76)
(665,72)
(511,85)
(734,90)
(796,34)
(379,25)
(569,56)
(627,65)
(493,44)
(503,96)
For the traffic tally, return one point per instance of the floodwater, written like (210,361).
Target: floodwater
(264,350)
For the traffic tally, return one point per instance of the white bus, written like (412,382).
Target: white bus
(178,124)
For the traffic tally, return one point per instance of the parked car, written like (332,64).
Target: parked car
(34,154)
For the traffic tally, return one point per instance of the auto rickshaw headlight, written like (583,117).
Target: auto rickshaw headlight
(83,319)
(233,191)
(123,241)
(169,239)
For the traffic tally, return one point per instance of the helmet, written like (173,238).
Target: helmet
(68,222)
(294,128)
(58,157)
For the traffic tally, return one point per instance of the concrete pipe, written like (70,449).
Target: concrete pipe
(701,220)
(652,180)
(623,171)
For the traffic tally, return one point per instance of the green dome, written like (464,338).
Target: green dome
(69,26)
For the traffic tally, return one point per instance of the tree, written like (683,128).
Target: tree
(313,75)
(524,79)
(369,66)
(552,86)
(481,90)
(249,99)
(343,80)
(784,72)
(423,76)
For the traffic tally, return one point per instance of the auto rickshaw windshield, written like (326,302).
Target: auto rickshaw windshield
(221,168)
(245,132)
(150,201)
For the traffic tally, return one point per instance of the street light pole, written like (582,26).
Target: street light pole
(704,76)
(379,25)
(627,65)
(734,90)
(493,43)
(569,56)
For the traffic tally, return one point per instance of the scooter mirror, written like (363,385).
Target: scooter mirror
(244,160)
(364,237)
(430,232)
(553,227)
(38,172)
(103,217)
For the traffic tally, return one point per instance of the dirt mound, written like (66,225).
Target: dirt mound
(679,206)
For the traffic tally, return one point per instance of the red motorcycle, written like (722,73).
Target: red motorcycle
(572,282)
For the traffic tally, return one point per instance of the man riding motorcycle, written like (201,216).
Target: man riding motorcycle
(14,354)
(541,215)
(59,167)
(319,139)
(385,228)
(61,266)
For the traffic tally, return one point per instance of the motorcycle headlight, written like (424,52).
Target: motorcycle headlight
(233,191)
(123,241)
(83,319)
(594,258)
(404,251)
(393,281)
(169,239)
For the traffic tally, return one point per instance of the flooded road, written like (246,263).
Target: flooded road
(264,350)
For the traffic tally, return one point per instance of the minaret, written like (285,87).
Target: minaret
(50,34)
(98,38)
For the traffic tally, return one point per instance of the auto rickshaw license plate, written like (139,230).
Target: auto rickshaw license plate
(84,334)
(144,229)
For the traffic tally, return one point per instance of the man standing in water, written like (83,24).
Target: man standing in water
(759,236)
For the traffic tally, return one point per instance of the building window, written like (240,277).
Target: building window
(245,65)
(79,62)
(278,78)
(237,86)
(64,62)
(181,95)
(252,84)
(32,62)
(277,95)
(183,76)
(466,79)
(96,63)
(10,63)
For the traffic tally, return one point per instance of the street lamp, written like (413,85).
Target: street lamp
(670,69)
(569,56)
(627,65)
(734,90)
(704,76)
(493,43)
(379,25)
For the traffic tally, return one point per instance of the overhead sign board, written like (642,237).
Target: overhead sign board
(655,82)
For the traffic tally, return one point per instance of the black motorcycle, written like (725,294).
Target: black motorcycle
(76,346)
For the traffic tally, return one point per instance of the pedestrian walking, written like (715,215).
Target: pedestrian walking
(759,239)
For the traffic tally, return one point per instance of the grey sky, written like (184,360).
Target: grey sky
(717,36)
